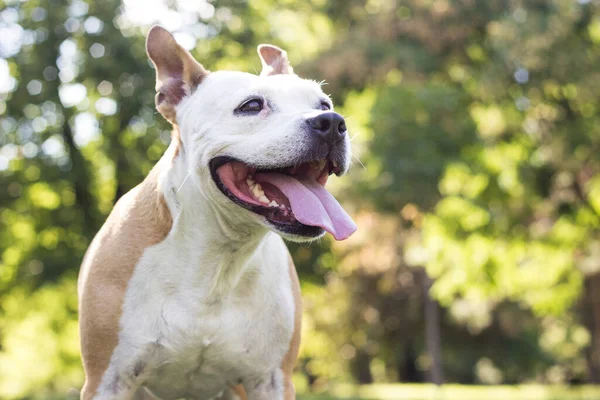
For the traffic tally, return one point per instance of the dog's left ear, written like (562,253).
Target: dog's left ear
(274,60)
(177,72)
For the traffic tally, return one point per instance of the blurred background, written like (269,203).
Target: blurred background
(475,185)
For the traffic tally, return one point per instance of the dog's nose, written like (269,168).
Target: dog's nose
(330,126)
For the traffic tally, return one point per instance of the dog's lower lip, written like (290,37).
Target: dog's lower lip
(274,215)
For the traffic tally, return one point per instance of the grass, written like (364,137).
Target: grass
(458,392)
(431,392)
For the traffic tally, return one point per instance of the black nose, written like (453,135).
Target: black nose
(330,126)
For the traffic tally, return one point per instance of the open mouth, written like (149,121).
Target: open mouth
(291,198)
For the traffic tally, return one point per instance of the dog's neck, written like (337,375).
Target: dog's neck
(206,232)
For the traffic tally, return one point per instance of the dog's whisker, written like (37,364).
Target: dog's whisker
(360,162)
(184,179)
(220,150)
(355,135)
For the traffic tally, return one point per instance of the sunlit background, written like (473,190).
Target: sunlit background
(475,184)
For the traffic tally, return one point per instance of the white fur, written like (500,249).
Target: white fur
(212,304)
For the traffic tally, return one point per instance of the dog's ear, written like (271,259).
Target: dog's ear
(274,60)
(177,72)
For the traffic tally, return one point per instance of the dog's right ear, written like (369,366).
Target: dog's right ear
(274,60)
(177,72)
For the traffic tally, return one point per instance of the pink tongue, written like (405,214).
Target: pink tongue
(312,204)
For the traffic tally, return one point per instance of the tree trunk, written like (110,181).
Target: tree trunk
(407,363)
(591,319)
(361,367)
(432,333)
(81,178)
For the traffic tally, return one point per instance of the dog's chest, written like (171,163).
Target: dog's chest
(205,344)
(227,345)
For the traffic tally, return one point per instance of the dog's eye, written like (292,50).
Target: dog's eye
(325,106)
(251,106)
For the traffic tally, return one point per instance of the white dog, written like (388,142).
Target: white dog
(188,290)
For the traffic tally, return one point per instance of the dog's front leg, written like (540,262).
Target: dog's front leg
(128,368)
(144,394)
(232,394)
(266,388)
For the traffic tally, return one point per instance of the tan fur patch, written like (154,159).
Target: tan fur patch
(139,219)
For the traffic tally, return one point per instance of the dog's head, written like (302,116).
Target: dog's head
(259,145)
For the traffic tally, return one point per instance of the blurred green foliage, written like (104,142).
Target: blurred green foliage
(476,133)
(455,392)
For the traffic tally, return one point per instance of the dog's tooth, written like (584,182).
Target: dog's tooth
(273,203)
(249,182)
(257,190)
(322,164)
(263,199)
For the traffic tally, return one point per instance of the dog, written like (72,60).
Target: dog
(188,290)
